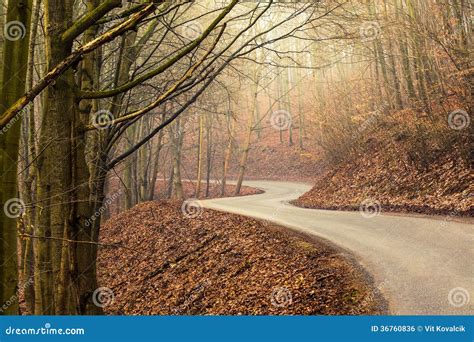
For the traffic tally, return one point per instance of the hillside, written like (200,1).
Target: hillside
(386,180)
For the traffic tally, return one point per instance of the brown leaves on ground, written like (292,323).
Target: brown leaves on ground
(221,264)
(444,187)
(270,159)
(214,191)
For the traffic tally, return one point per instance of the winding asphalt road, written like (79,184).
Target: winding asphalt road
(421,266)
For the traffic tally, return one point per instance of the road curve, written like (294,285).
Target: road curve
(421,266)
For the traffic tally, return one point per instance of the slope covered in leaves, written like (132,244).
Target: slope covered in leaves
(387,177)
(220,264)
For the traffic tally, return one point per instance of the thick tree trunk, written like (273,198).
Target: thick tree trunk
(65,270)
(28,175)
(54,178)
(89,195)
(14,71)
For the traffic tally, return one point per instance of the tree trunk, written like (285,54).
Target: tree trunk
(156,163)
(178,136)
(200,155)
(3,14)
(209,154)
(228,151)
(89,196)
(244,157)
(54,170)
(28,175)
(14,71)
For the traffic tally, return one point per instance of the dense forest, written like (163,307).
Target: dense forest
(108,104)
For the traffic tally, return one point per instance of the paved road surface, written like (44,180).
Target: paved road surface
(416,262)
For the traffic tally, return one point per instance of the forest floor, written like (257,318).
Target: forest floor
(384,178)
(268,159)
(189,189)
(208,262)
(271,160)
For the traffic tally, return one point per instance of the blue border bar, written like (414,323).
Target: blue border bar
(239,329)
